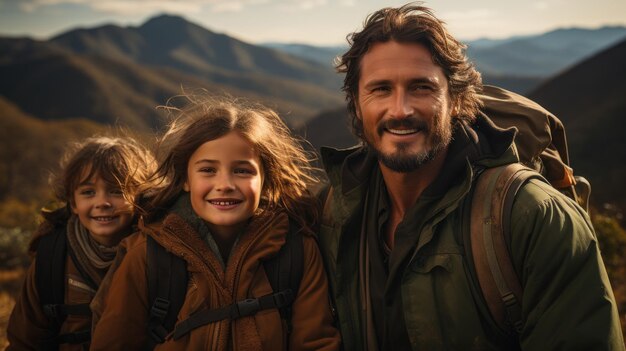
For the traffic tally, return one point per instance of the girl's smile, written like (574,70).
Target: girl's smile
(224,179)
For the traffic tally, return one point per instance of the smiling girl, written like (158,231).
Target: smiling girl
(233,186)
(76,244)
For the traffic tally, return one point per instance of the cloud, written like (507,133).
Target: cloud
(300,5)
(121,7)
(471,15)
(32,5)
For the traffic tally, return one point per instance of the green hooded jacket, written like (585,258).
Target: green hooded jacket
(567,299)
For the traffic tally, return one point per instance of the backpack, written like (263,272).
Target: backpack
(542,148)
(50,284)
(541,141)
(167,287)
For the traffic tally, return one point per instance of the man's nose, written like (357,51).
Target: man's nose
(401,105)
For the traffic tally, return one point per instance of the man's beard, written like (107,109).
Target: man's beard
(401,160)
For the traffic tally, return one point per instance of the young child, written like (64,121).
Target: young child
(76,244)
(233,180)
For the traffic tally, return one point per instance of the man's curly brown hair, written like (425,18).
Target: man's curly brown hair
(412,23)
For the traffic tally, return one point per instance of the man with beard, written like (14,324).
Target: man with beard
(392,220)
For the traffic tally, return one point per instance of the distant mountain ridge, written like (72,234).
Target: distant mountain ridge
(324,55)
(518,63)
(113,74)
(542,55)
(172,41)
(590,99)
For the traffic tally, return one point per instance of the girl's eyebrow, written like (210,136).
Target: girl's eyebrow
(238,162)
(242,162)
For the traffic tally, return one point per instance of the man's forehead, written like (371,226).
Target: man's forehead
(410,60)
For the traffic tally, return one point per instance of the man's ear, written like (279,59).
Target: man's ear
(455,109)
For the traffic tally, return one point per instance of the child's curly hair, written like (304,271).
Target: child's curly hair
(120,161)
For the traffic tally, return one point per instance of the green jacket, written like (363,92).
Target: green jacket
(567,298)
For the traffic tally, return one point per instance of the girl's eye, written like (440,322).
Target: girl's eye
(243,171)
(207,170)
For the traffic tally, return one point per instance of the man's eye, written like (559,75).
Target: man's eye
(422,87)
(381,89)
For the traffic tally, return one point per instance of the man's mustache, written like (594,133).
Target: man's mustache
(403,123)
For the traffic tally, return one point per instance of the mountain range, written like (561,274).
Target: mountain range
(119,74)
(590,99)
(519,63)
(541,55)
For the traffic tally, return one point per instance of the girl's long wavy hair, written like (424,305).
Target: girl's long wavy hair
(286,165)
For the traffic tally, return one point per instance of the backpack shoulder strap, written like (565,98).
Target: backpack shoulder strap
(52,251)
(490,239)
(167,287)
(50,274)
(285,270)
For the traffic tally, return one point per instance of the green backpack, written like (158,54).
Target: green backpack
(542,148)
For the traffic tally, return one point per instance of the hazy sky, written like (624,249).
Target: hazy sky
(324,22)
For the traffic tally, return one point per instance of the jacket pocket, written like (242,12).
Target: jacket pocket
(431,263)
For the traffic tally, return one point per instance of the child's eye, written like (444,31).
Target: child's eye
(117,192)
(87,192)
(243,171)
(207,170)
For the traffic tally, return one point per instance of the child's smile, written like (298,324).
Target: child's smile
(224,179)
(102,210)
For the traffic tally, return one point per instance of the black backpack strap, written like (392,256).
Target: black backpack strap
(50,276)
(52,250)
(243,308)
(285,270)
(167,287)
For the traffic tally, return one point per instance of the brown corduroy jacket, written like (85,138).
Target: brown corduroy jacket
(121,307)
